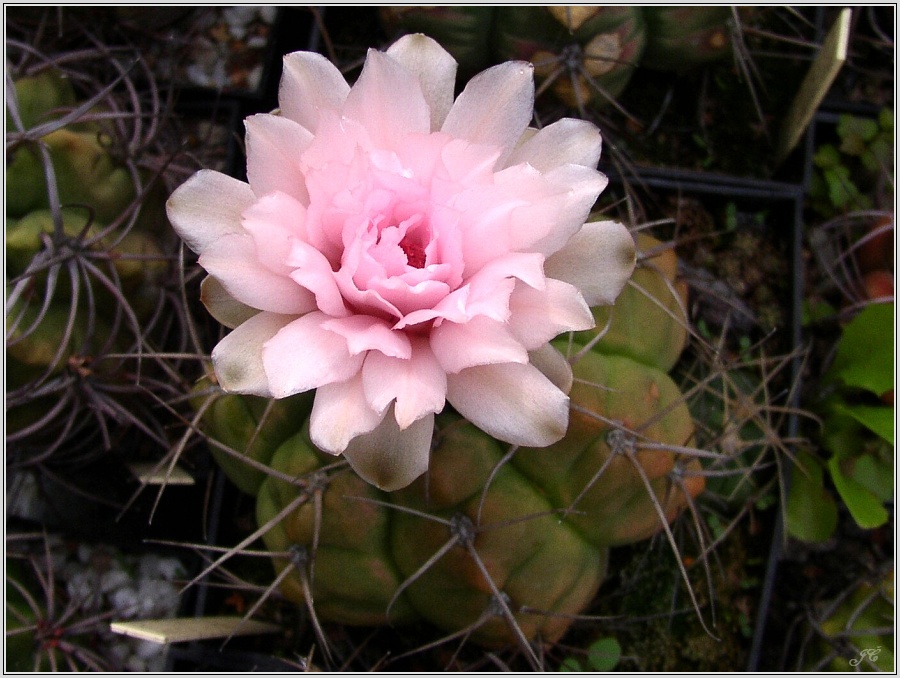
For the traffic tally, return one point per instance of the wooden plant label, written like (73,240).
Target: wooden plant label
(154,474)
(816,84)
(184,629)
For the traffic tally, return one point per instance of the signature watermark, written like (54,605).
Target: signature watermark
(869,653)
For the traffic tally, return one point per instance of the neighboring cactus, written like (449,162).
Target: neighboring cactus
(855,631)
(589,52)
(585,54)
(503,545)
(679,38)
(86,262)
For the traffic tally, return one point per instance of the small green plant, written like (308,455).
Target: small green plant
(852,173)
(858,432)
(602,656)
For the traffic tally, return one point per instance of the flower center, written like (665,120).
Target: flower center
(415,253)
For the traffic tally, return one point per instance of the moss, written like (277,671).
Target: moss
(659,640)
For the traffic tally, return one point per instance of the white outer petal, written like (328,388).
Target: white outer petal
(390,457)
(310,84)
(303,356)
(566,141)
(274,147)
(417,386)
(208,206)
(495,107)
(480,341)
(598,260)
(387,100)
(340,413)
(537,316)
(237,359)
(553,365)
(436,70)
(222,306)
(513,402)
(585,185)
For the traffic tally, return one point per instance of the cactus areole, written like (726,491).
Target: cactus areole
(396,250)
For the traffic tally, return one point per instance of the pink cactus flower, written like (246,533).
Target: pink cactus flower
(397,250)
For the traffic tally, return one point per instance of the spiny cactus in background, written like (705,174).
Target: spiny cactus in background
(584,54)
(86,266)
(853,632)
(502,545)
(60,597)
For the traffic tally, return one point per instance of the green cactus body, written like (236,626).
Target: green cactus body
(39,95)
(26,187)
(85,172)
(353,577)
(601,43)
(251,425)
(508,521)
(24,236)
(613,396)
(37,350)
(648,321)
(536,559)
(136,257)
(366,550)
(679,38)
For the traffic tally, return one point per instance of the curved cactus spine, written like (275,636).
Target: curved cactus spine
(626,420)
(649,319)
(341,523)
(252,427)
(87,310)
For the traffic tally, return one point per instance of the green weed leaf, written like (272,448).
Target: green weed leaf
(878,419)
(604,654)
(866,508)
(865,353)
(811,514)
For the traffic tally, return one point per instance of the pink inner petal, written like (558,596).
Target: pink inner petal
(304,355)
(364,333)
(234,261)
(416,385)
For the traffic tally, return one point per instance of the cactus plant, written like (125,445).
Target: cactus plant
(504,545)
